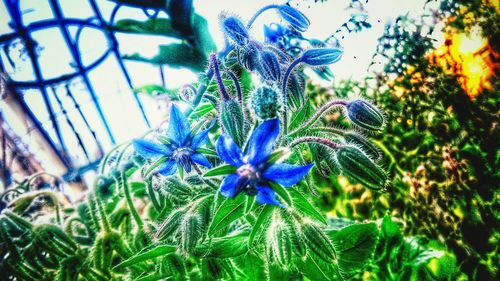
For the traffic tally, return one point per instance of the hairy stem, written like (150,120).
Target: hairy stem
(100,209)
(319,129)
(220,85)
(319,113)
(202,88)
(239,92)
(259,12)
(323,141)
(151,194)
(130,202)
(283,93)
(200,173)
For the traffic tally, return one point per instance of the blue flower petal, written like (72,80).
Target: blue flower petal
(178,126)
(266,195)
(149,149)
(231,185)
(199,158)
(286,174)
(261,143)
(228,151)
(168,168)
(201,138)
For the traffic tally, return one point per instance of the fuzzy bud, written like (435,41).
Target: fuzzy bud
(269,66)
(264,101)
(318,242)
(355,164)
(365,115)
(295,90)
(294,17)
(250,57)
(321,56)
(190,231)
(235,30)
(231,117)
(279,244)
(359,140)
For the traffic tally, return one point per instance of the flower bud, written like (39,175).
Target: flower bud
(321,56)
(231,117)
(190,232)
(269,66)
(294,17)
(187,93)
(235,30)
(359,140)
(295,90)
(170,225)
(318,242)
(359,167)
(279,244)
(365,115)
(250,57)
(264,101)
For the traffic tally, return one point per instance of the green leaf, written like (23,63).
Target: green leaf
(301,116)
(156,26)
(249,204)
(278,155)
(201,110)
(316,269)
(229,211)
(262,219)
(157,251)
(175,55)
(224,247)
(389,229)
(303,205)
(207,151)
(151,90)
(155,165)
(355,246)
(219,171)
(282,192)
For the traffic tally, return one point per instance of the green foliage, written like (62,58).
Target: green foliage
(440,147)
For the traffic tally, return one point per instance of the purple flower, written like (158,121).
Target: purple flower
(253,171)
(179,148)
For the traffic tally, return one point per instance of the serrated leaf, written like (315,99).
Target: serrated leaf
(219,171)
(229,211)
(157,251)
(354,246)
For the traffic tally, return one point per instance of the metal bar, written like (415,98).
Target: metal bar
(79,109)
(56,9)
(71,125)
(60,79)
(114,46)
(29,45)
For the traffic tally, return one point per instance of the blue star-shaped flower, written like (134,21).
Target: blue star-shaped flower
(253,171)
(181,147)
